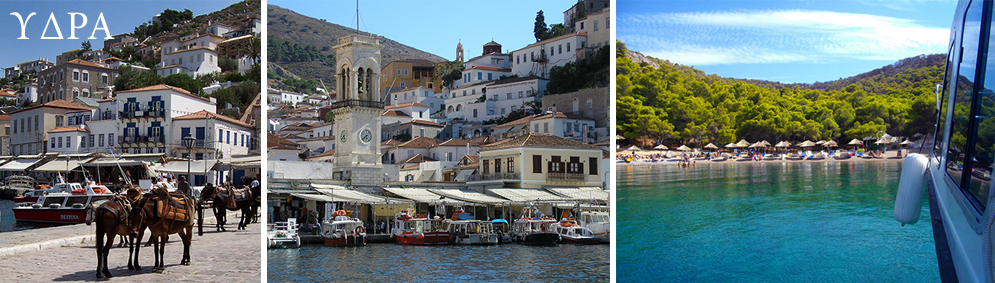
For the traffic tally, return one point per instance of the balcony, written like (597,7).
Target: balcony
(155,113)
(141,139)
(495,177)
(565,177)
(357,103)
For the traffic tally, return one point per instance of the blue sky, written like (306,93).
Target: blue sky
(437,26)
(121,17)
(792,41)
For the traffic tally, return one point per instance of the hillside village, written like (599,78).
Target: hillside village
(485,124)
(176,76)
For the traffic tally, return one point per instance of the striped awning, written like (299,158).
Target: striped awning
(468,196)
(423,196)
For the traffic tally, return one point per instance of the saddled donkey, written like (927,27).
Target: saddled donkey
(169,213)
(117,217)
(234,199)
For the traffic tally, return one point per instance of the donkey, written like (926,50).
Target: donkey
(223,200)
(163,217)
(114,218)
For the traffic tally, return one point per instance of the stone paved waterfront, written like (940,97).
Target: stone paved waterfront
(232,256)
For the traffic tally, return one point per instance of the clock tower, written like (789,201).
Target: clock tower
(357,111)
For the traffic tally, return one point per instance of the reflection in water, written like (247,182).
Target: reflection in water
(390,262)
(9,223)
(768,222)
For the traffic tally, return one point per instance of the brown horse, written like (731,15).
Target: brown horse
(162,224)
(110,218)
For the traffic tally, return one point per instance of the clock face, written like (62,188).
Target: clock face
(366,136)
(343,136)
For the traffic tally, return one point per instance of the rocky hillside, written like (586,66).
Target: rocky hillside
(305,31)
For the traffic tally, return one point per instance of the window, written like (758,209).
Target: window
(489,76)
(405,72)
(100,140)
(574,165)
(607,25)
(536,163)
(58,121)
(228,137)
(449,156)
(511,165)
(15,127)
(156,131)
(53,142)
(497,165)
(595,25)
(480,76)
(545,127)
(554,165)
(221,135)
(590,103)
(957,152)
(402,84)
(422,132)
(502,110)
(76,75)
(29,123)
(103,78)
(581,25)
(91,141)
(398,72)
(568,47)
(509,96)
(486,164)
(86,76)
(110,139)
(36,122)
(560,49)
(474,113)
(536,126)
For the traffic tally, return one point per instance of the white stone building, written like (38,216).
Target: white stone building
(537,58)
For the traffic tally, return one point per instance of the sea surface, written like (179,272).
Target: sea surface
(8,223)
(456,263)
(768,222)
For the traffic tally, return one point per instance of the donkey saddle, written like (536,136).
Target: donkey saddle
(175,207)
(235,195)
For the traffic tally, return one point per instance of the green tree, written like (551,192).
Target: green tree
(183,81)
(227,64)
(540,30)
(330,116)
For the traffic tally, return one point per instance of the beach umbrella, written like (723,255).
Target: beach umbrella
(731,145)
(783,144)
(820,142)
(855,142)
(806,143)
(742,143)
(906,142)
(831,143)
(660,147)
(711,146)
(756,145)
(883,140)
(633,148)
(765,143)
(684,148)
(618,137)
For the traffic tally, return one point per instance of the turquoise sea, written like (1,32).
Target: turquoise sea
(768,222)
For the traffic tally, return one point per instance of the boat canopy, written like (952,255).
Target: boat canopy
(468,196)
(423,196)
(499,220)
(525,195)
(61,164)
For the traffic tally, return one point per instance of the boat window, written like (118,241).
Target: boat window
(941,125)
(960,120)
(51,200)
(74,200)
(984,130)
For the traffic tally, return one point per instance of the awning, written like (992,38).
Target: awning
(18,165)
(423,196)
(148,157)
(342,194)
(570,205)
(425,176)
(468,196)
(240,162)
(461,177)
(111,162)
(60,165)
(285,191)
(524,195)
(582,193)
(196,166)
(300,170)
(314,197)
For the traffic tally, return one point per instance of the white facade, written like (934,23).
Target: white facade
(147,115)
(416,111)
(291,97)
(216,136)
(563,126)
(449,155)
(30,94)
(66,140)
(556,51)
(598,25)
(219,29)
(422,95)
(193,61)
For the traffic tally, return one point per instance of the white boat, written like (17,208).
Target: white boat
(283,234)
(599,222)
(472,232)
(343,231)
(66,205)
(538,231)
(961,206)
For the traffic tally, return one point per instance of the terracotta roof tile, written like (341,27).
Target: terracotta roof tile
(390,142)
(276,142)
(420,142)
(67,129)
(423,122)
(405,105)
(203,114)
(59,104)
(323,154)
(86,63)
(395,113)
(418,158)
(538,140)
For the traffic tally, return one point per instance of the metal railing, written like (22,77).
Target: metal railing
(135,139)
(565,176)
(494,176)
(357,103)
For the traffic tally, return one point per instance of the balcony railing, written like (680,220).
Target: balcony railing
(495,176)
(357,103)
(565,176)
(143,113)
(135,139)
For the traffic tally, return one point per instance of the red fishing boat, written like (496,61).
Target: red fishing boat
(419,230)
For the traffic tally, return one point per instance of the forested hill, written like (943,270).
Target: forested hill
(681,105)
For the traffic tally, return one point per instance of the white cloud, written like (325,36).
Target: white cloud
(780,36)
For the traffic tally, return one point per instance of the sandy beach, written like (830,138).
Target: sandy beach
(644,158)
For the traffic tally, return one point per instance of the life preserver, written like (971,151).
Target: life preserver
(360,230)
(79,192)
(340,213)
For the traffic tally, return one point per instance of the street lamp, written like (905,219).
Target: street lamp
(188,143)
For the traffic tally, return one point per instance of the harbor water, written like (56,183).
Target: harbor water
(828,221)
(392,262)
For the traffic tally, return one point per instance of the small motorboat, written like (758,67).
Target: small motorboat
(418,230)
(575,234)
(472,232)
(66,205)
(343,231)
(283,234)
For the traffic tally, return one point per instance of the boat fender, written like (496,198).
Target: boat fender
(360,230)
(36,206)
(421,236)
(908,202)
